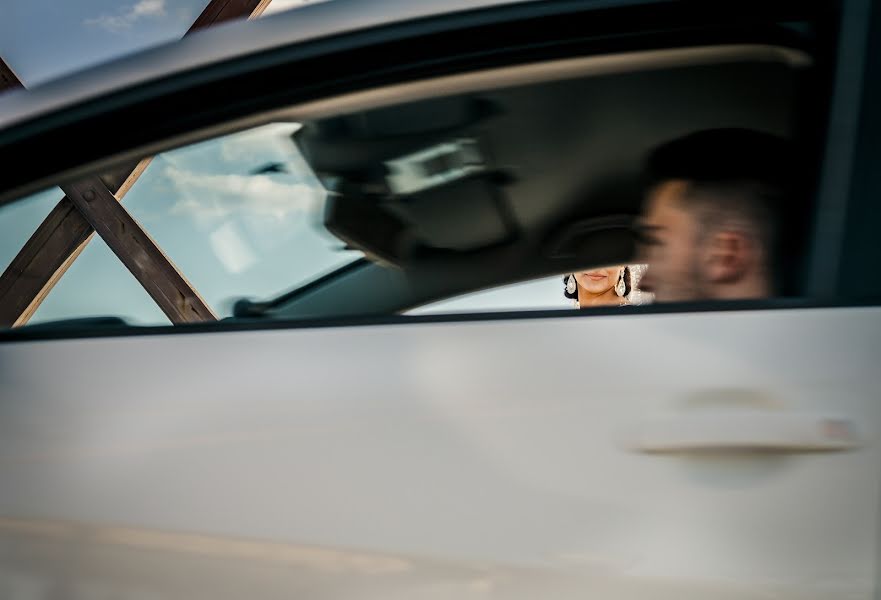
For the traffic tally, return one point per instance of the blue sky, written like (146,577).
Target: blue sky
(232,233)
(45,39)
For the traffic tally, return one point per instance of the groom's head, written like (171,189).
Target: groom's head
(710,221)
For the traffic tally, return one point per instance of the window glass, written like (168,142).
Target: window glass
(98,285)
(240,216)
(540,294)
(413,207)
(95,285)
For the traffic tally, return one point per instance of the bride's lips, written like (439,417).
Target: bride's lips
(596,276)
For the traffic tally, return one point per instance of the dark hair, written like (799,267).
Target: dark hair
(574,295)
(722,155)
(731,172)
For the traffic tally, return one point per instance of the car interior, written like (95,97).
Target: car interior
(488,176)
(511,174)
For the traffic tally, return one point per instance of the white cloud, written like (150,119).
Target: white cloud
(152,8)
(232,249)
(125,19)
(266,143)
(210,197)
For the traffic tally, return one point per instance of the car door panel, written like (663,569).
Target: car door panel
(486,458)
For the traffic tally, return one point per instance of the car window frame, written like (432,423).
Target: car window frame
(859,250)
(517,21)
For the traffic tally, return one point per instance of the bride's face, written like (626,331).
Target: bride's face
(598,281)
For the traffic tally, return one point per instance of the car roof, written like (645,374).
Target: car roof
(222,43)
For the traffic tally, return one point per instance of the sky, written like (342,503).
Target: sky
(232,233)
(45,39)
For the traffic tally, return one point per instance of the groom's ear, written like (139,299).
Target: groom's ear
(726,256)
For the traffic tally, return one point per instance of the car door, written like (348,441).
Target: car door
(671,451)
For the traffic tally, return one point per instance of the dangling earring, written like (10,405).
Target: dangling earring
(572,290)
(620,287)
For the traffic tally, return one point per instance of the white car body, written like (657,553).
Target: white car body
(475,459)
(682,454)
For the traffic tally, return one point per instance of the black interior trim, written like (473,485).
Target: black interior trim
(844,125)
(250,308)
(857,274)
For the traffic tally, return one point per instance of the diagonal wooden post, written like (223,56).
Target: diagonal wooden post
(138,252)
(64,233)
(50,251)
(227,10)
(8,78)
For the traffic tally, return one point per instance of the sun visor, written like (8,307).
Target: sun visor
(412,182)
(606,239)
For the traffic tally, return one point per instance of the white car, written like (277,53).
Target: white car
(226,394)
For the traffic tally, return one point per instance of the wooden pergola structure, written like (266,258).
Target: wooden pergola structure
(93,205)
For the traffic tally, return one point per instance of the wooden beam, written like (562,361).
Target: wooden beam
(138,252)
(219,11)
(50,251)
(37,267)
(63,234)
(8,78)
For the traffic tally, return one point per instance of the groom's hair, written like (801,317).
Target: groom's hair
(732,175)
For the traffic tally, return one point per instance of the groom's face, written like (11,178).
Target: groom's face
(670,245)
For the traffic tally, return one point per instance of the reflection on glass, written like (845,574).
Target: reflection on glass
(239,215)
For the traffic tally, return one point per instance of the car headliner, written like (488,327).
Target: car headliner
(576,148)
